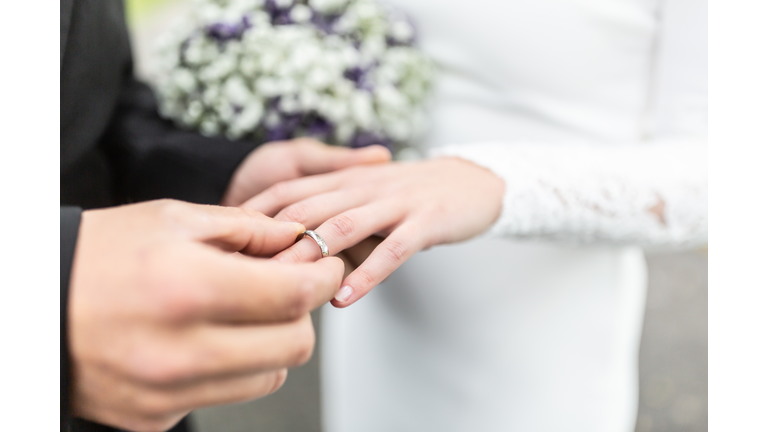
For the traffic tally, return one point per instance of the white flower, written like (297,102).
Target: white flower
(236,90)
(289,105)
(195,109)
(344,131)
(184,79)
(372,48)
(228,86)
(402,31)
(390,99)
(319,78)
(343,89)
(398,129)
(301,13)
(333,109)
(326,5)
(219,68)
(211,94)
(366,10)
(308,99)
(247,120)
(224,110)
(361,104)
(209,127)
(268,86)
(304,54)
(208,12)
(269,61)
(272,119)
(248,66)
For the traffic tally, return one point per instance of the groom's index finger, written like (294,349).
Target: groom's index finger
(245,230)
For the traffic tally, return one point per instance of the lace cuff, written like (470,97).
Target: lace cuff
(652,195)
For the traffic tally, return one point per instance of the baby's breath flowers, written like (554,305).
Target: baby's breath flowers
(344,71)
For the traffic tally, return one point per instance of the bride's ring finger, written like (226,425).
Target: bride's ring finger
(344,230)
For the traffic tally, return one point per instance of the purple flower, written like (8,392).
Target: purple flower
(278,133)
(359,76)
(285,128)
(223,32)
(319,127)
(324,22)
(278,15)
(364,139)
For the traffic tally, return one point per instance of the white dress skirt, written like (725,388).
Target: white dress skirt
(594,114)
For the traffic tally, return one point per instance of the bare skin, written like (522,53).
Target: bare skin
(287,160)
(412,206)
(174,306)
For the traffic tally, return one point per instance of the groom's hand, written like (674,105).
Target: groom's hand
(164,317)
(287,160)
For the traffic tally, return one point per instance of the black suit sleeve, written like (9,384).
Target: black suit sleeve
(152,158)
(69,228)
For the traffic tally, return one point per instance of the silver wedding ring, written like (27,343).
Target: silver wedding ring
(316,237)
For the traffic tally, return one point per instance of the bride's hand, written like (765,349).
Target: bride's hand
(413,205)
(286,160)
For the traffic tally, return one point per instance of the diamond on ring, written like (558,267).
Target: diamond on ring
(319,240)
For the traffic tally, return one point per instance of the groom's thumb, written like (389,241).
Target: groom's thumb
(315,157)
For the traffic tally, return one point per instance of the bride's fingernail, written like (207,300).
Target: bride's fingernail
(344,293)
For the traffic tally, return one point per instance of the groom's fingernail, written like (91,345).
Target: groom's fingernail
(344,293)
(292,223)
(297,226)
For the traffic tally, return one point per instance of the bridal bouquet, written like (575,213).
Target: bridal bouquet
(343,71)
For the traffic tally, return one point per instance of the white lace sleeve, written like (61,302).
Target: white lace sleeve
(653,195)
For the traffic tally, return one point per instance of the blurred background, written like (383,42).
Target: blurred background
(673,353)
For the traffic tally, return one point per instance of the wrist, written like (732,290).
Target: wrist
(486,187)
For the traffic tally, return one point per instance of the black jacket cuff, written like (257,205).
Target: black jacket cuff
(69,226)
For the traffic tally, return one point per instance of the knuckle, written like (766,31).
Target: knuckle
(367,278)
(342,225)
(155,405)
(332,278)
(161,368)
(279,190)
(293,255)
(279,379)
(395,250)
(179,301)
(301,299)
(306,142)
(170,211)
(295,213)
(305,344)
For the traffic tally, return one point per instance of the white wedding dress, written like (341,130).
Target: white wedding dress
(595,114)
